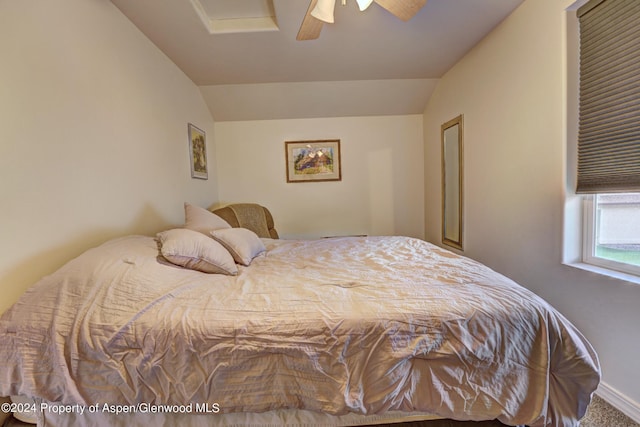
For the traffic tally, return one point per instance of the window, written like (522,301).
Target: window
(612,235)
(608,157)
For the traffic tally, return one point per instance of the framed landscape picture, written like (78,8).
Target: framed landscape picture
(313,161)
(198,152)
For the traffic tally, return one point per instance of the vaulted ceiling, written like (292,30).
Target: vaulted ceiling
(244,55)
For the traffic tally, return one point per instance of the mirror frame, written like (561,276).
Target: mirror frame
(452,209)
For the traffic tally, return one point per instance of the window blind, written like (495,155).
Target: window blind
(609,117)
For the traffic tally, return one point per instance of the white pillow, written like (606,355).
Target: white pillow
(202,220)
(243,244)
(194,250)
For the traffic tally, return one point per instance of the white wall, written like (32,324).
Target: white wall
(93,136)
(382,185)
(511,90)
(299,100)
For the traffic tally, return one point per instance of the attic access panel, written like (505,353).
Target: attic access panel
(233,16)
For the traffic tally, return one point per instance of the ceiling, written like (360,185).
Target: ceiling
(244,55)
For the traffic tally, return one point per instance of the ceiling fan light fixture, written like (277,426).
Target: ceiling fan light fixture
(364,4)
(324,10)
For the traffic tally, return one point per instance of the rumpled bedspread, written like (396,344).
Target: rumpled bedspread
(361,324)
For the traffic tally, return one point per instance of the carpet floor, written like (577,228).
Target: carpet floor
(601,414)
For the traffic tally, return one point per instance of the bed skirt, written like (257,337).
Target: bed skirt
(53,415)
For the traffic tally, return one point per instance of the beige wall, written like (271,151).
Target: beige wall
(381,191)
(93,134)
(511,90)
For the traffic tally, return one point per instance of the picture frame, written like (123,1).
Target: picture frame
(198,152)
(313,161)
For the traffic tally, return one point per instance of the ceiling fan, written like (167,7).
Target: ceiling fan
(321,11)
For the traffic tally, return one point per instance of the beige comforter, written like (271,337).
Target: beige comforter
(361,325)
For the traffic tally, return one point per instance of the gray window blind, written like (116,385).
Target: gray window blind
(609,119)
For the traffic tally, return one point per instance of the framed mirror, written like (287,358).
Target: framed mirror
(452,191)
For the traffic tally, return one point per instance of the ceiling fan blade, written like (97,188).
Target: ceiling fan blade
(403,9)
(311,26)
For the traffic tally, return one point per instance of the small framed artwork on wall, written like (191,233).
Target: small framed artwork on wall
(198,152)
(313,161)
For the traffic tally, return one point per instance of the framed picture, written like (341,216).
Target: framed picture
(313,161)
(198,152)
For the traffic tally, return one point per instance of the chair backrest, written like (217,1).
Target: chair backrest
(252,216)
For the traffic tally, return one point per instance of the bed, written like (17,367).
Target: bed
(336,331)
